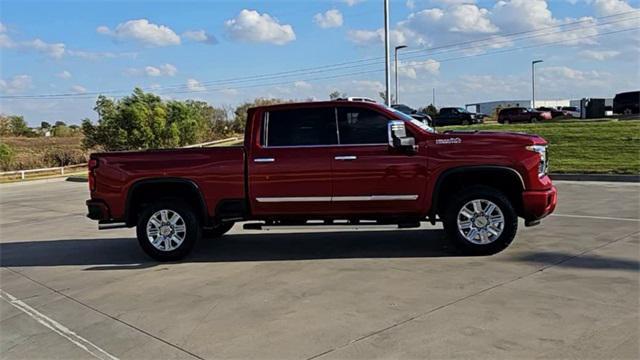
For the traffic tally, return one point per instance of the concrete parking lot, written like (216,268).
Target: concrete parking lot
(568,288)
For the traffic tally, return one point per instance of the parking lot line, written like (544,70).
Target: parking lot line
(58,328)
(595,217)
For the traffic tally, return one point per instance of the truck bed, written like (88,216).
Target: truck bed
(218,172)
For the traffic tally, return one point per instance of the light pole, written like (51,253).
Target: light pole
(396,63)
(533,82)
(387,61)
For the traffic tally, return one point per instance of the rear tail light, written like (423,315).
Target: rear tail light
(93,164)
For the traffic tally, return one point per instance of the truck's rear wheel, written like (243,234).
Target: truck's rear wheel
(480,220)
(167,230)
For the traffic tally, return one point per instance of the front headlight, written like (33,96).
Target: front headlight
(543,167)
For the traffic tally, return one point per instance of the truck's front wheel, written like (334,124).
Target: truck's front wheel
(167,230)
(480,220)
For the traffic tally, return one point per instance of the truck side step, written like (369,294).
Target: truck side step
(111,226)
(336,223)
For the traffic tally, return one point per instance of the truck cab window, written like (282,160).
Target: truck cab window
(362,126)
(300,127)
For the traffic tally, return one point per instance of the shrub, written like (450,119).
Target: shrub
(6,156)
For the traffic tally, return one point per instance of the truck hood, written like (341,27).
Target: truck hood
(475,136)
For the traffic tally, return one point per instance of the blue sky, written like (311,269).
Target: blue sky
(183,49)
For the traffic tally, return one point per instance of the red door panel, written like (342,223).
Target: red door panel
(282,185)
(374,180)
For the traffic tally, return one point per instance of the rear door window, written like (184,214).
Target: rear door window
(362,126)
(299,127)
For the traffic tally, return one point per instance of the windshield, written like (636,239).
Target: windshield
(405,117)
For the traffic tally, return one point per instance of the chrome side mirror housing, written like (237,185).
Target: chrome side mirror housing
(397,134)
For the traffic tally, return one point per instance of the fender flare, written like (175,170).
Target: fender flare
(165,180)
(462,169)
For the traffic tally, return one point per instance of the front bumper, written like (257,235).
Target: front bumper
(538,204)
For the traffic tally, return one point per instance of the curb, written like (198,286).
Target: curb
(597,177)
(79,179)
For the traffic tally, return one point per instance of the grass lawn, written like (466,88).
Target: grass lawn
(583,147)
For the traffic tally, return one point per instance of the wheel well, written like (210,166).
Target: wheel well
(153,190)
(506,180)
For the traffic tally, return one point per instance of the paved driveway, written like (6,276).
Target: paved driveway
(568,288)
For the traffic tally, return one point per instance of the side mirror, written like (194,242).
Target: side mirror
(398,138)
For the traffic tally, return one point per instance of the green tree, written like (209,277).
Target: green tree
(430,110)
(337,95)
(45,125)
(383,96)
(62,131)
(143,120)
(60,123)
(240,113)
(18,127)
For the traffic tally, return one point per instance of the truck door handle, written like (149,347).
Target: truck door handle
(264,160)
(346,158)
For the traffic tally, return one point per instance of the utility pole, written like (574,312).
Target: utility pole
(387,62)
(396,63)
(433,100)
(533,82)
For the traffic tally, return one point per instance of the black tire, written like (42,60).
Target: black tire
(192,231)
(466,122)
(217,230)
(533,120)
(455,204)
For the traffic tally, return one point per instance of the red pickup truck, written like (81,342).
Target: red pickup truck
(336,162)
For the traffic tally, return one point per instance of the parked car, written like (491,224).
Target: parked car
(627,103)
(455,116)
(333,162)
(520,114)
(420,116)
(554,112)
(572,111)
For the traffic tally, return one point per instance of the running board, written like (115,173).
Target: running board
(111,226)
(266,226)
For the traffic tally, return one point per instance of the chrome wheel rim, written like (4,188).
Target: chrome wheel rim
(166,230)
(480,221)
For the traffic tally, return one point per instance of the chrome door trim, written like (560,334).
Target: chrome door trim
(294,199)
(346,157)
(375,198)
(264,160)
(337,198)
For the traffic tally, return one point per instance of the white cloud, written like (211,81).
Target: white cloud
(78,89)
(368,86)
(611,7)
(54,50)
(64,74)
(330,19)
(413,69)
(372,37)
(16,84)
(195,85)
(251,26)
(411,4)
(352,2)
(144,32)
(303,85)
(91,55)
(153,71)
(200,36)
(599,55)
(162,70)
